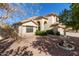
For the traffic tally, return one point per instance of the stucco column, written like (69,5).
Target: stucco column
(42,25)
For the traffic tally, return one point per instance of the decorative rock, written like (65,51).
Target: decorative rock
(66,46)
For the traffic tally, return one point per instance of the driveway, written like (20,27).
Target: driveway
(73,34)
(24,42)
(38,46)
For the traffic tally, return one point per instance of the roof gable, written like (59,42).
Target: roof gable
(52,14)
(29,23)
(40,17)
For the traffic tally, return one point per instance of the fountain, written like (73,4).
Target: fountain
(64,44)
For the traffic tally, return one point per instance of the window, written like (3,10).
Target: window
(57,19)
(29,29)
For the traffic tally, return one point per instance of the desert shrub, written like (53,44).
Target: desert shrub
(58,33)
(10,32)
(50,32)
(41,33)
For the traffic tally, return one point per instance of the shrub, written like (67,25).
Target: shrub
(50,32)
(10,32)
(41,33)
(58,33)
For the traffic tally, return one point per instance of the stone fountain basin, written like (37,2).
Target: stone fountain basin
(69,47)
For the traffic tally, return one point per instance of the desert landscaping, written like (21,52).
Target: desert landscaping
(37,46)
(29,30)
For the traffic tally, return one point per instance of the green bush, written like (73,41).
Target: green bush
(41,33)
(50,32)
(58,33)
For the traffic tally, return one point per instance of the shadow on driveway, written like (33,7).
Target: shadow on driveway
(48,44)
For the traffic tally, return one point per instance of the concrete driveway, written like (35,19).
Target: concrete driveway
(73,34)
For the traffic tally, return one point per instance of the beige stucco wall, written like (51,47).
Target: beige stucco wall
(42,26)
(45,27)
(51,20)
(22,28)
(23,32)
(61,30)
(30,24)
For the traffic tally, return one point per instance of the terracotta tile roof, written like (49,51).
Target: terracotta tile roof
(28,19)
(31,19)
(61,26)
(36,18)
(55,24)
(51,14)
(40,17)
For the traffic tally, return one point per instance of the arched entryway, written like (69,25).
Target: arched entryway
(38,25)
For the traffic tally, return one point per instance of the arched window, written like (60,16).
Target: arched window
(57,20)
(45,22)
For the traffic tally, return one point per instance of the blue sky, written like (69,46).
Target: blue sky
(40,9)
